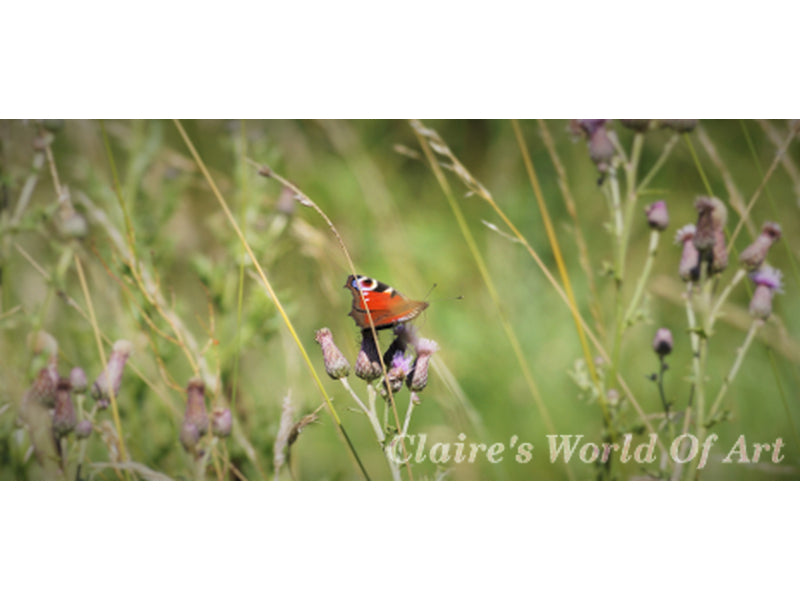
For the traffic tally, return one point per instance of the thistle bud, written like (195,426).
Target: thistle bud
(368,363)
(336,365)
(601,149)
(640,125)
(64,419)
(755,253)
(768,281)
(662,342)
(195,419)
(418,378)
(43,343)
(657,215)
(690,257)
(221,421)
(111,378)
(83,429)
(43,388)
(680,125)
(77,378)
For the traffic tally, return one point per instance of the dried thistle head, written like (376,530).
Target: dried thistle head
(709,238)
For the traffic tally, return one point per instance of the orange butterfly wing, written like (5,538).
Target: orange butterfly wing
(387,306)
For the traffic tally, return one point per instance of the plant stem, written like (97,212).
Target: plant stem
(380,433)
(751,333)
(640,285)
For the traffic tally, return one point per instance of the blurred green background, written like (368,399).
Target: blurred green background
(374,183)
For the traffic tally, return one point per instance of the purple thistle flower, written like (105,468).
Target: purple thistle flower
(769,281)
(690,257)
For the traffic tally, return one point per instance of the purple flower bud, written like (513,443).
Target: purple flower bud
(64,419)
(195,419)
(755,253)
(221,421)
(768,282)
(418,378)
(601,149)
(368,363)
(662,342)
(657,215)
(111,379)
(83,429)
(690,257)
(336,365)
(77,378)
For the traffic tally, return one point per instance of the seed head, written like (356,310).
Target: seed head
(657,215)
(368,363)
(662,342)
(111,378)
(336,365)
(755,253)
(711,217)
(768,282)
(64,419)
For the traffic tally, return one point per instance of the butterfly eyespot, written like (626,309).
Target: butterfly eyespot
(366,284)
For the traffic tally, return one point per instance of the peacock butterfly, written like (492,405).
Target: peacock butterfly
(387,306)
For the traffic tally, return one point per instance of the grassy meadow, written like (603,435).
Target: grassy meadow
(161,256)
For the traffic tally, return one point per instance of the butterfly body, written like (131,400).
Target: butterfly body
(387,306)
